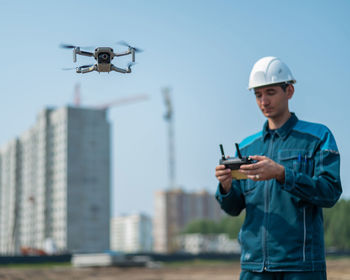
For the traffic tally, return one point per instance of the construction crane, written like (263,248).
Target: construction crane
(77,99)
(123,101)
(171,146)
(113,103)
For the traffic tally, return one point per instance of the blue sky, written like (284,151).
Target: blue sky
(203,50)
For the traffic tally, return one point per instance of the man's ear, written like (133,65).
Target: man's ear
(290,91)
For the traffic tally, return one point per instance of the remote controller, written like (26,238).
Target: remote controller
(234,163)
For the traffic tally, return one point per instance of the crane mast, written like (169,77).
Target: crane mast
(171,146)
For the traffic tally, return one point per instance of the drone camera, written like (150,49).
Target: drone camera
(104,58)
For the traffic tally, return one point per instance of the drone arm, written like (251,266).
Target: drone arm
(120,70)
(86,69)
(122,54)
(131,51)
(78,51)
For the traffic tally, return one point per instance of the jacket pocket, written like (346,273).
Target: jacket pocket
(299,160)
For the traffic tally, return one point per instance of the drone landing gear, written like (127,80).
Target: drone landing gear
(89,68)
(120,70)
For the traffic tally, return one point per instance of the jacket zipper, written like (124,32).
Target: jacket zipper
(266,207)
(266,223)
(304,245)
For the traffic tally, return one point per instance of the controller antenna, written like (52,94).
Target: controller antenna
(222,152)
(238,151)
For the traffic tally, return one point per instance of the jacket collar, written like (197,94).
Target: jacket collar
(284,130)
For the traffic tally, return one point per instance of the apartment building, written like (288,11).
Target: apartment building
(55,183)
(174,209)
(131,233)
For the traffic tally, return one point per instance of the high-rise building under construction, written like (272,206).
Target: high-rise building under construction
(55,183)
(174,209)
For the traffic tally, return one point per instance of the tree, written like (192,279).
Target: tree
(337,225)
(229,225)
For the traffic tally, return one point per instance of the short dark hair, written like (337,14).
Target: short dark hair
(284,85)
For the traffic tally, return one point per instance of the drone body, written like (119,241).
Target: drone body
(103,56)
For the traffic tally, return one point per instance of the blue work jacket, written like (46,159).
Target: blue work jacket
(283,227)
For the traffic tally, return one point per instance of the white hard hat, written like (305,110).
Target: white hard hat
(269,70)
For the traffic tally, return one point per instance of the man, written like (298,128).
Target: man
(295,173)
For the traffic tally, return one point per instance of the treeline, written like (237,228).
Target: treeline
(228,225)
(336,226)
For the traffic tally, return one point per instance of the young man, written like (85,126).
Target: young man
(295,174)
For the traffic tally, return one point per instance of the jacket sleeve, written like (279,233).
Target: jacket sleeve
(323,187)
(233,202)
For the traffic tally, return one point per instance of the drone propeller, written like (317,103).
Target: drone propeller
(123,43)
(65,46)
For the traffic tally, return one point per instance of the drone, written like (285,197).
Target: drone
(103,56)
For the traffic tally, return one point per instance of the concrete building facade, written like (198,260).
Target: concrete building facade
(131,233)
(55,183)
(174,209)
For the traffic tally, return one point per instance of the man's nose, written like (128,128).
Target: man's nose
(265,100)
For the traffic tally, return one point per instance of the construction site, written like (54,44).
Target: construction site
(112,120)
(336,270)
(55,205)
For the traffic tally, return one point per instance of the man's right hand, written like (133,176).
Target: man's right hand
(224,176)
